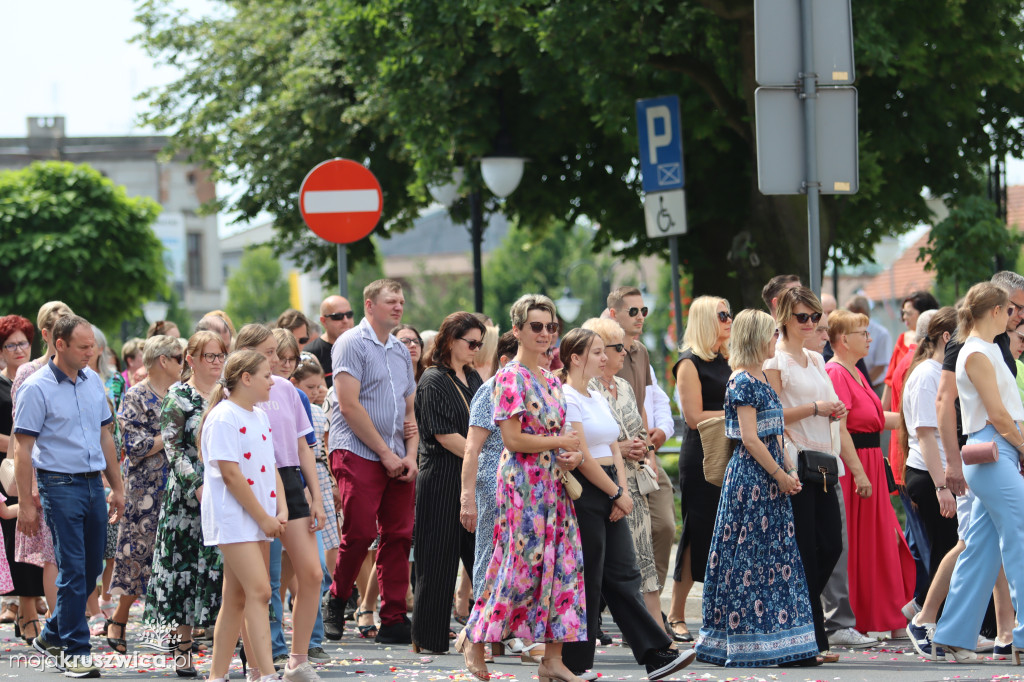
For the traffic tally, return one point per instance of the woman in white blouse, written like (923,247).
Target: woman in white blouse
(810,406)
(991,410)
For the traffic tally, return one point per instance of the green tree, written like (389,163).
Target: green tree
(68,233)
(257,291)
(970,245)
(416,88)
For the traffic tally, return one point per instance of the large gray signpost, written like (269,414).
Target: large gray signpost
(806,134)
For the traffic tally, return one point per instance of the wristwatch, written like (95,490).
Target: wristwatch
(616,495)
(650,448)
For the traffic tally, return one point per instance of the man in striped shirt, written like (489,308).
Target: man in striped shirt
(373,459)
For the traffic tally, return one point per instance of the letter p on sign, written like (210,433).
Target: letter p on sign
(661,143)
(655,139)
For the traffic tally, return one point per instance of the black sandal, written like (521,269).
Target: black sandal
(366,631)
(115,642)
(22,629)
(678,636)
(190,669)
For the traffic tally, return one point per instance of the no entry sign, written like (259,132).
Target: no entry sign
(341,201)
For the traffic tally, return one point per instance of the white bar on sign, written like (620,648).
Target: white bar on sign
(341,201)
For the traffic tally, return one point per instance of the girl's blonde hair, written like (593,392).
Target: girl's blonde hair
(980,299)
(485,356)
(752,332)
(702,329)
(239,363)
(252,335)
(285,342)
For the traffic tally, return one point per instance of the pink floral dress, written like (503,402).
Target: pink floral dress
(533,587)
(32,549)
(6,584)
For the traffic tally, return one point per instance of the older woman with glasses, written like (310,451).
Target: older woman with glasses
(880,567)
(146,476)
(185,586)
(701,375)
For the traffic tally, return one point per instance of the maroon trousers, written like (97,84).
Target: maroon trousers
(371,501)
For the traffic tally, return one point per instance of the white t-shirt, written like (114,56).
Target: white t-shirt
(919,395)
(600,429)
(800,386)
(972,410)
(234,434)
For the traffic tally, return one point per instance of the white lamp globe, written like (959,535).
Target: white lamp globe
(502,173)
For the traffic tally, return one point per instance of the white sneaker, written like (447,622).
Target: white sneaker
(303,673)
(851,639)
(911,609)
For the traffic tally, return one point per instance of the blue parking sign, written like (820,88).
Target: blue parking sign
(661,143)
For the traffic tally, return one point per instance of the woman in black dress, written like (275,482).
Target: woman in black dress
(16,334)
(701,375)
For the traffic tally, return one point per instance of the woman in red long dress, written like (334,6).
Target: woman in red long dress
(876,542)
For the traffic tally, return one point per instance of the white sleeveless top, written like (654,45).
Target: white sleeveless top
(972,410)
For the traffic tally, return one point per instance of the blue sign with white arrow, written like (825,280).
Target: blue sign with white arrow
(661,143)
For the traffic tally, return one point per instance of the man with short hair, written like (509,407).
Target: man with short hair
(775,287)
(59,425)
(337,317)
(295,322)
(373,460)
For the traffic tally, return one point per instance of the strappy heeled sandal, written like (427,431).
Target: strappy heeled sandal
(118,644)
(366,631)
(23,625)
(190,669)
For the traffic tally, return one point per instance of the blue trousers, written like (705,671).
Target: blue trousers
(995,538)
(277,641)
(76,512)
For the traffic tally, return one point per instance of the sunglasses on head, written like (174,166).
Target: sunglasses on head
(337,317)
(633,312)
(473,345)
(538,327)
(619,347)
(724,316)
(802,318)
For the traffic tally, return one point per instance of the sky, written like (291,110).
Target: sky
(73,59)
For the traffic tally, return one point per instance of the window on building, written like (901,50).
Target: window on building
(194,246)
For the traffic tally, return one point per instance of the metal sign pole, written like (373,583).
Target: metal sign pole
(677,298)
(343,270)
(811,181)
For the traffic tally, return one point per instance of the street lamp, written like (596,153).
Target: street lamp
(568,305)
(154,311)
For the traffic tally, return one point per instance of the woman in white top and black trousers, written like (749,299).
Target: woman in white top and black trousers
(809,407)
(609,563)
(991,409)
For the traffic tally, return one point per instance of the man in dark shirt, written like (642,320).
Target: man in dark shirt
(337,317)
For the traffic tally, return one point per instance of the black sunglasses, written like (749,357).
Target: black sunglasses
(538,327)
(473,345)
(337,317)
(619,347)
(724,316)
(177,358)
(634,311)
(802,318)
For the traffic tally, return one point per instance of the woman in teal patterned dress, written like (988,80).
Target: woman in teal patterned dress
(756,606)
(185,586)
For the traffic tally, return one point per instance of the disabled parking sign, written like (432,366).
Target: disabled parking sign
(661,143)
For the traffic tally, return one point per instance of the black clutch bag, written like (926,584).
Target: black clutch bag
(817,468)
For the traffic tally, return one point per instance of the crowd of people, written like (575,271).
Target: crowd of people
(355,471)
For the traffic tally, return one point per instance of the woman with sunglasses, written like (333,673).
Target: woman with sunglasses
(533,587)
(880,567)
(185,587)
(443,395)
(701,375)
(145,477)
(810,406)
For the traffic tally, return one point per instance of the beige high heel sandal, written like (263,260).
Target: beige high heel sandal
(464,647)
(544,673)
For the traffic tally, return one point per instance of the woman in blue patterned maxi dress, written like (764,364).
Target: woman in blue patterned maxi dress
(756,609)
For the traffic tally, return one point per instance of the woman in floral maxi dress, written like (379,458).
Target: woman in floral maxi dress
(533,587)
(756,606)
(185,586)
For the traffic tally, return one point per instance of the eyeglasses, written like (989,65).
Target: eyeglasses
(303,340)
(214,357)
(11,347)
(865,332)
(803,318)
(724,316)
(633,312)
(538,327)
(177,358)
(411,342)
(473,345)
(289,360)
(337,317)
(619,347)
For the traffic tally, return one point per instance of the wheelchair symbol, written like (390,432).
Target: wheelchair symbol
(665,222)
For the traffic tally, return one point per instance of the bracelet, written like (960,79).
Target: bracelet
(791,471)
(777,470)
(815,406)
(940,487)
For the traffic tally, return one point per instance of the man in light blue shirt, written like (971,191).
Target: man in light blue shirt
(59,426)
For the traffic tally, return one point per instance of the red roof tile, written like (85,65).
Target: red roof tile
(907,274)
(1015,206)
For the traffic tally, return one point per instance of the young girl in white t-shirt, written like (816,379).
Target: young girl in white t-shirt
(243,505)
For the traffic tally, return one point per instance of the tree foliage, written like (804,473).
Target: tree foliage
(68,233)
(415,88)
(257,291)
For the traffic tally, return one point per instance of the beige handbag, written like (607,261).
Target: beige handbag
(717,449)
(573,488)
(646,479)
(7,479)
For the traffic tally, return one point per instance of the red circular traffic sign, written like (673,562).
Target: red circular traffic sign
(341,201)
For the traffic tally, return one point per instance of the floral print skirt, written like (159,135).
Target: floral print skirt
(533,587)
